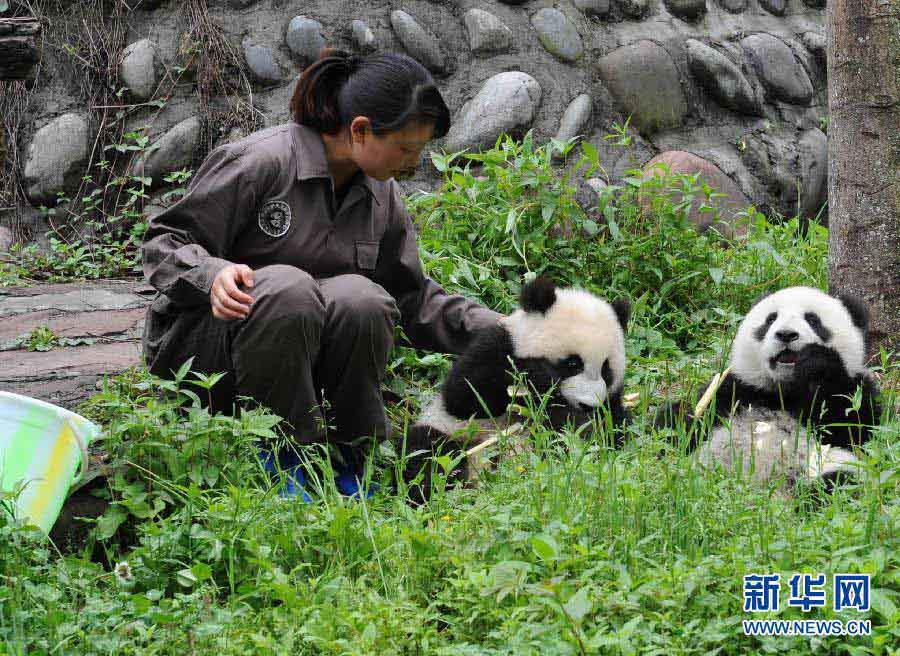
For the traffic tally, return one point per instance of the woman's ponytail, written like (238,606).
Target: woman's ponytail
(315,100)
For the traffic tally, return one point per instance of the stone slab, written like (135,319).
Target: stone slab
(109,312)
(108,324)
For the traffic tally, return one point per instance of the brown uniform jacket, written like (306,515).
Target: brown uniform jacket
(268,199)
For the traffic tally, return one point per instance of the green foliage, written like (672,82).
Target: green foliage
(568,547)
(43,338)
(481,234)
(73,259)
(170,449)
(98,235)
(411,370)
(513,218)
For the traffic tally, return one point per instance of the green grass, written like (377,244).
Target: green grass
(571,547)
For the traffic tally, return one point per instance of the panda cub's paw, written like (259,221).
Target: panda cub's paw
(835,479)
(815,361)
(820,489)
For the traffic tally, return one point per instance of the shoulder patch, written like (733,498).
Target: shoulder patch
(275,218)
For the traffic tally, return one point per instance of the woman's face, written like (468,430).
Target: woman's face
(391,155)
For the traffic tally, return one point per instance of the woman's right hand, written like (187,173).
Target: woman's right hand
(227,300)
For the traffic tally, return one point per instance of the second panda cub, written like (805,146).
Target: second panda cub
(565,341)
(785,408)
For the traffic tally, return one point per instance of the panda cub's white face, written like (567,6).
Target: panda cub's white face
(580,331)
(777,328)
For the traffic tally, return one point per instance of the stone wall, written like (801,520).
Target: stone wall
(735,88)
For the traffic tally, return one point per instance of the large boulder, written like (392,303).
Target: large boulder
(261,62)
(140,68)
(645,83)
(363,37)
(487,33)
(305,37)
(793,169)
(56,158)
(783,76)
(722,78)
(557,34)
(812,149)
(506,103)
(733,201)
(172,151)
(575,118)
(815,42)
(419,43)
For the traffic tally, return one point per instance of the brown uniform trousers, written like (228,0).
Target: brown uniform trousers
(331,284)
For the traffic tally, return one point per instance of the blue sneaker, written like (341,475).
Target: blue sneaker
(346,474)
(289,463)
(349,473)
(346,482)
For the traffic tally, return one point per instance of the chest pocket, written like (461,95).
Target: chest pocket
(367,255)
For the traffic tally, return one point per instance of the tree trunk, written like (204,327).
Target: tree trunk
(864,159)
(20,48)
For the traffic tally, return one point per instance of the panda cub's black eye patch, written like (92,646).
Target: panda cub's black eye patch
(760,333)
(818,327)
(572,364)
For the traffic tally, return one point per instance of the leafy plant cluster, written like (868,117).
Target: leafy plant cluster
(43,338)
(93,243)
(513,217)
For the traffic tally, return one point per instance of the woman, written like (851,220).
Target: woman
(291,258)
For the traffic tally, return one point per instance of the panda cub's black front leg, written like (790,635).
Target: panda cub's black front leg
(423,445)
(828,391)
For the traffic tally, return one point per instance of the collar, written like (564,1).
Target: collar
(309,151)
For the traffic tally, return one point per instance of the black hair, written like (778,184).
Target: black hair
(390,89)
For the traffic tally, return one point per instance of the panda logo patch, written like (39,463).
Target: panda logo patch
(275,218)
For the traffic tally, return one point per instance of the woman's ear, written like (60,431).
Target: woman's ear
(360,129)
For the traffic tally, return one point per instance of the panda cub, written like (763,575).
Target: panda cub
(561,339)
(796,362)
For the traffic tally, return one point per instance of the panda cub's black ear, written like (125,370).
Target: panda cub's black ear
(539,295)
(622,308)
(857,309)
